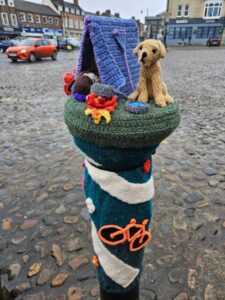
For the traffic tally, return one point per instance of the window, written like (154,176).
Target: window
(179,33)
(50,20)
(205,32)
(70,23)
(213,9)
(11,3)
(76,23)
(66,22)
(2,2)
(67,9)
(60,8)
(45,43)
(83,13)
(14,20)
(38,19)
(39,43)
(44,19)
(81,25)
(77,11)
(72,11)
(22,17)
(56,21)
(30,18)
(179,11)
(5,19)
(186,10)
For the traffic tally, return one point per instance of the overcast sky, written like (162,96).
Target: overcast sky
(126,8)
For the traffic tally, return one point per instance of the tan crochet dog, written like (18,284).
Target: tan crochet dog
(150,84)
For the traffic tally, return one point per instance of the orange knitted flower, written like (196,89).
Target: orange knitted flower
(68,80)
(94,101)
(95,261)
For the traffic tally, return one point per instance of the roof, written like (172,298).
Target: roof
(34,7)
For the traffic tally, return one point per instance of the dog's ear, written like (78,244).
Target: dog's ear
(136,51)
(162,49)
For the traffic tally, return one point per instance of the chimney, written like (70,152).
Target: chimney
(117,15)
(75,2)
(98,13)
(108,13)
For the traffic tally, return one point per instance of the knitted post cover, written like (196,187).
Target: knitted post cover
(118,179)
(115,198)
(111,42)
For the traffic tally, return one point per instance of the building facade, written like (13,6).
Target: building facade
(9,27)
(195,21)
(155,26)
(73,17)
(38,20)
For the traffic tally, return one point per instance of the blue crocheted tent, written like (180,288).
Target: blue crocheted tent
(109,42)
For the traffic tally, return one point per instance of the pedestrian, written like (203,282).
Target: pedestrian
(189,40)
(58,48)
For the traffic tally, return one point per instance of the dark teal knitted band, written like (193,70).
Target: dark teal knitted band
(126,130)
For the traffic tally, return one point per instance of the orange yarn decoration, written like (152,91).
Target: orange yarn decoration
(147,166)
(134,233)
(68,79)
(94,101)
(95,261)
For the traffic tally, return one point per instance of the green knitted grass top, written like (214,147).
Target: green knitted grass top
(126,130)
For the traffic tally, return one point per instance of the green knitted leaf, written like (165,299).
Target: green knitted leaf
(126,130)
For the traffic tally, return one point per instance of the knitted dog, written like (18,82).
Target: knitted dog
(150,84)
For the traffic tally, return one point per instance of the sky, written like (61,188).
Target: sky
(126,8)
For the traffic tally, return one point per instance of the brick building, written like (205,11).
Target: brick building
(38,20)
(9,27)
(73,17)
(196,20)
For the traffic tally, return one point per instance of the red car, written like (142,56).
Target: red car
(32,49)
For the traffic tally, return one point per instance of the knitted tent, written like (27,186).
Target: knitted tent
(109,43)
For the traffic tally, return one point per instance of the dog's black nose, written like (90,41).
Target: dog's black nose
(144,54)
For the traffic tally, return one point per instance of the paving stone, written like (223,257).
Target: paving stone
(94,291)
(39,296)
(28,224)
(68,186)
(148,294)
(209,171)
(71,219)
(78,261)
(57,253)
(59,279)
(3,243)
(74,293)
(60,210)
(42,197)
(192,274)
(14,270)
(210,293)
(21,287)
(182,296)
(7,223)
(34,269)
(44,276)
(74,245)
(194,198)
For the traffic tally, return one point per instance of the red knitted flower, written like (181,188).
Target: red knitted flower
(68,79)
(147,166)
(94,101)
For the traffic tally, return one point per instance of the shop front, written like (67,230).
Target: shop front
(193,31)
(52,33)
(9,33)
(31,32)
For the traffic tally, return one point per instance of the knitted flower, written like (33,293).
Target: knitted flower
(98,107)
(68,82)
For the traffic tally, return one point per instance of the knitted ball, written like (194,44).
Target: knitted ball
(82,84)
(103,90)
(125,130)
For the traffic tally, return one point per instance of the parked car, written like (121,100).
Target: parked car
(4,45)
(69,44)
(213,42)
(32,49)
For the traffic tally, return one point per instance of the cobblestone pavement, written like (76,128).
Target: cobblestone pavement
(45,244)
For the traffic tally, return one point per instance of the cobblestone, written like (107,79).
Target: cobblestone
(42,202)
